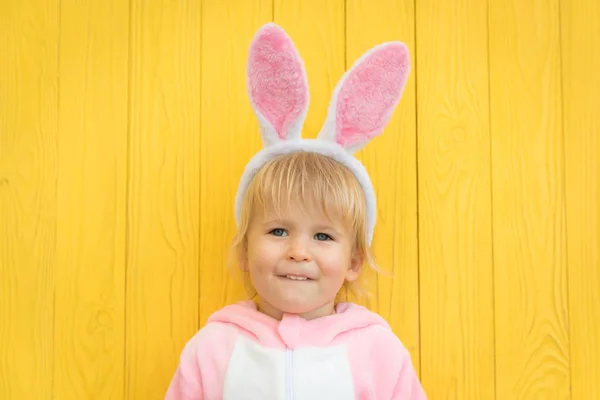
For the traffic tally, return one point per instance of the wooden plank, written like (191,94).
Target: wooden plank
(532,343)
(455,243)
(317,29)
(229,138)
(391,161)
(92,152)
(28,156)
(580,32)
(163,185)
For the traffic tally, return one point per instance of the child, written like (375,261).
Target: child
(305,210)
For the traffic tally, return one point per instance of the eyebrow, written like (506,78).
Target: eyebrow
(321,227)
(328,228)
(273,220)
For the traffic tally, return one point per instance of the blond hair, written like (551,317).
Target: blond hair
(315,183)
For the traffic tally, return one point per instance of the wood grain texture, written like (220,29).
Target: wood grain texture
(92,174)
(391,161)
(164,180)
(532,342)
(125,127)
(580,33)
(229,138)
(317,29)
(28,157)
(455,244)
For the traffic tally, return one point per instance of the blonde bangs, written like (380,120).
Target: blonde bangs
(312,182)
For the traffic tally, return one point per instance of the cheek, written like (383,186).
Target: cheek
(334,262)
(262,254)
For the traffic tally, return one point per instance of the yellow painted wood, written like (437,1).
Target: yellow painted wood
(163,190)
(92,183)
(455,243)
(391,160)
(125,126)
(532,338)
(317,29)
(28,172)
(229,138)
(580,33)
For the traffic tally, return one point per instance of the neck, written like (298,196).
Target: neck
(323,311)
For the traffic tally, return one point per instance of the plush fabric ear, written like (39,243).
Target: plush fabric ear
(277,85)
(366,96)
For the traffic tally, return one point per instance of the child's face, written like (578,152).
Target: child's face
(299,262)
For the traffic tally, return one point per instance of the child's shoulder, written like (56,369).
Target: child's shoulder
(215,330)
(375,334)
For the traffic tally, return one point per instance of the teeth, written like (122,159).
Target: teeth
(296,278)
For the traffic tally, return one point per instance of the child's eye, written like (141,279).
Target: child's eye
(277,232)
(322,236)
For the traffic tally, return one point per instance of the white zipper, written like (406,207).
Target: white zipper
(289,374)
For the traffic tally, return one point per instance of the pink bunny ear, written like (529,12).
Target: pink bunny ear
(366,96)
(277,85)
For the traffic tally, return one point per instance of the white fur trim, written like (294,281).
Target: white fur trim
(319,146)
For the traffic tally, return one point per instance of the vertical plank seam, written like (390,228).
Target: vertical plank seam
(127,198)
(346,35)
(490,172)
(417,189)
(565,195)
(58,42)
(198,306)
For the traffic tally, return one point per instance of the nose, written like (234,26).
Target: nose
(298,251)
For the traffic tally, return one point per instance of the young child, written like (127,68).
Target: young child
(305,210)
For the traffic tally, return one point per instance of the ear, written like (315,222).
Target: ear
(366,96)
(277,85)
(356,263)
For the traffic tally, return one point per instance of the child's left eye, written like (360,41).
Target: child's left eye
(322,236)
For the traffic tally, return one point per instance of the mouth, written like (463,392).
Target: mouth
(295,277)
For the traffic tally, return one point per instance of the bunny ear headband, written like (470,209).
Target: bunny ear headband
(361,106)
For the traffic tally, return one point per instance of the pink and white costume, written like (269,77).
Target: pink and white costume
(242,353)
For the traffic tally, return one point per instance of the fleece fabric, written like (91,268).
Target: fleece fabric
(242,353)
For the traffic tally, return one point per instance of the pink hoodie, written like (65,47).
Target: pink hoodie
(242,353)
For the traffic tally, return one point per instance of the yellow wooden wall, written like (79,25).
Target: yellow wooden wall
(124,127)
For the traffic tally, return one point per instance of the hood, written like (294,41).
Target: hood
(294,331)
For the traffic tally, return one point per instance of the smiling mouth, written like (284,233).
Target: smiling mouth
(295,277)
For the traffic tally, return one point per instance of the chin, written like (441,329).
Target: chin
(296,309)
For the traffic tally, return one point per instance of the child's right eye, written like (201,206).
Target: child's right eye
(278,232)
